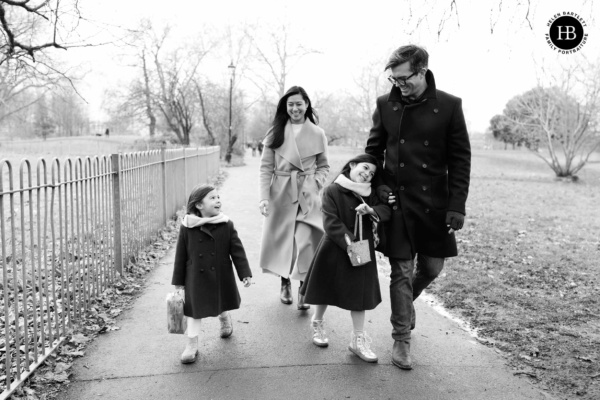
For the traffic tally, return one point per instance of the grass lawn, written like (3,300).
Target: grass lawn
(528,273)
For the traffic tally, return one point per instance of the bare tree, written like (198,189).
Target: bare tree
(370,83)
(277,52)
(16,80)
(561,123)
(147,96)
(342,124)
(68,113)
(206,119)
(168,80)
(29,27)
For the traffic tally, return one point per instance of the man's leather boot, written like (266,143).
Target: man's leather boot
(401,354)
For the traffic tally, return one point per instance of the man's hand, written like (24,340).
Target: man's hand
(454,221)
(385,194)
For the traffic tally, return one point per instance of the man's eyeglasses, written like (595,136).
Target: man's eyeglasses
(401,80)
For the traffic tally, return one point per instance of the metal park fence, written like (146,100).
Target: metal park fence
(68,227)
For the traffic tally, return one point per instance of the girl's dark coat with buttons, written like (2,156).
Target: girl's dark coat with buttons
(427,167)
(331,278)
(203,264)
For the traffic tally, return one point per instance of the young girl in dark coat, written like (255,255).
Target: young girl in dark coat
(206,247)
(331,279)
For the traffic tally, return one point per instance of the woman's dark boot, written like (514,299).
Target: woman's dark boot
(301,304)
(286,291)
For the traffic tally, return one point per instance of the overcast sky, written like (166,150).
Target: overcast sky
(482,68)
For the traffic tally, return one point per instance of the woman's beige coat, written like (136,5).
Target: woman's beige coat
(291,178)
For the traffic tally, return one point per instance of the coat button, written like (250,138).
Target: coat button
(435,110)
(426,143)
(200,255)
(401,187)
(212,254)
(424,165)
(212,268)
(201,269)
(424,187)
(395,208)
(401,164)
(200,240)
(395,108)
(427,211)
(401,141)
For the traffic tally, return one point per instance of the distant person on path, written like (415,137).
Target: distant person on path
(107,132)
(421,135)
(260,148)
(206,247)
(293,169)
(331,279)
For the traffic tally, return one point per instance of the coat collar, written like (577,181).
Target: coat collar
(208,228)
(309,142)
(395,95)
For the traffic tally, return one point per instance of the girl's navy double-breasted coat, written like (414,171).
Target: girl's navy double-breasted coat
(203,264)
(331,278)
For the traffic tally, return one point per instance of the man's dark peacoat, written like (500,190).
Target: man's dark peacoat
(427,154)
(203,264)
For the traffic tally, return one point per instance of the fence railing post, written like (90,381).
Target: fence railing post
(163,165)
(116,200)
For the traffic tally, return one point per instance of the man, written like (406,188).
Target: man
(420,134)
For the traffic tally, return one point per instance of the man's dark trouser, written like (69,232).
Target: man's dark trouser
(404,288)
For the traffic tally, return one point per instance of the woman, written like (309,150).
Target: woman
(293,169)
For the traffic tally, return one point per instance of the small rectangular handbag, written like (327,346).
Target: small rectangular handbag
(176,321)
(359,251)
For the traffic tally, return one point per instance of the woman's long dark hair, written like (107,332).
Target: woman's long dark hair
(197,195)
(281,116)
(366,158)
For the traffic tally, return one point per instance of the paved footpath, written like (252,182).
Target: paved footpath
(270,355)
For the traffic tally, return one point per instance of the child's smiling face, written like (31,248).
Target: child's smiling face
(362,172)
(210,205)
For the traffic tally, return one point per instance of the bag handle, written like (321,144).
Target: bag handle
(358,225)
(373,217)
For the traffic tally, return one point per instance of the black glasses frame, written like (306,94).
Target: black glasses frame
(402,80)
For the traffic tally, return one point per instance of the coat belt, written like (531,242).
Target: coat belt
(294,178)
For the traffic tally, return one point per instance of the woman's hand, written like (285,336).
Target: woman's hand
(247,281)
(364,209)
(263,206)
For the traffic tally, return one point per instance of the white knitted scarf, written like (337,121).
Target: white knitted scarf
(363,189)
(192,221)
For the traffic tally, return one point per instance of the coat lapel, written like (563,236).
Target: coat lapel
(206,229)
(289,150)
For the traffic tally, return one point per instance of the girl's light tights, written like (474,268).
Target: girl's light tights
(358,317)
(193,325)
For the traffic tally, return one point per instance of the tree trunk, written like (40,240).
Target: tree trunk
(205,120)
(149,112)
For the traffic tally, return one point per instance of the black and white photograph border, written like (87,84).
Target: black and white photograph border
(113,115)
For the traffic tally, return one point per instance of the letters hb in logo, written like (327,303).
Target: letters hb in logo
(566,32)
